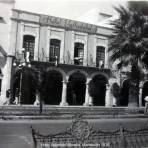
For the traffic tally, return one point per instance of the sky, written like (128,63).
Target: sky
(71,9)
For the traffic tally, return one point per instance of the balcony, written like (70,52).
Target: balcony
(70,67)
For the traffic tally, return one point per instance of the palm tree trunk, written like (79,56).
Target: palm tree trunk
(134,86)
(133,100)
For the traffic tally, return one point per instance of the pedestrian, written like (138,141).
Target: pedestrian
(16,96)
(37,100)
(114,101)
(8,92)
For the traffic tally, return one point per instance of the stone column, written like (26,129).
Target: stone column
(87,97)
(107,98)
(64,94)
(140,96)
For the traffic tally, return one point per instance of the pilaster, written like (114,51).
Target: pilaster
(72,46)
(85,51)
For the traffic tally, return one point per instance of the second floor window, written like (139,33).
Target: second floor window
(54,50)
(29,45)
(78,53)
(100,56)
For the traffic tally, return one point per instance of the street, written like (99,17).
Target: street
(17,134)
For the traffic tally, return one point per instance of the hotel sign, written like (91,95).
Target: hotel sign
(67,24)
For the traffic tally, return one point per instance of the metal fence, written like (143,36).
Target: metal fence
(81,135)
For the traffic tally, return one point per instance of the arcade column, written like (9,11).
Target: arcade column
(108,96)
(64,94)
(87,96)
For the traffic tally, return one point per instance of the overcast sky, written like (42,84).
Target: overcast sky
(71,9)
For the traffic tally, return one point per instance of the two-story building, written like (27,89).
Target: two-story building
(73,54)
(79,49)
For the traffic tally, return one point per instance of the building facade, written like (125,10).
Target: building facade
(80,51)
(5,47)
(74,55)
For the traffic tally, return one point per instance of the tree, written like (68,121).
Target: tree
(32,80)
(115,90)
(129,45)
(24,82)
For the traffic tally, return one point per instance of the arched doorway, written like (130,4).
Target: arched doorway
(53,88)
(144,92)
(76,89)
(97,90)
(24,83)
(124,93)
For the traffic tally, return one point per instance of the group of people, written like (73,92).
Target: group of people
(9,96)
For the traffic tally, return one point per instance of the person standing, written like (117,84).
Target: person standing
(8,94)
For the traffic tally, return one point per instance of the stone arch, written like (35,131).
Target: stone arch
(58,70)
(76,87)
(97,88)
(100,73)
(78,71)
(53,87)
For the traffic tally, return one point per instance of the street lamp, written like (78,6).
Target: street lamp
(21,62)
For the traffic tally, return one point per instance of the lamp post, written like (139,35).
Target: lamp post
(21,63)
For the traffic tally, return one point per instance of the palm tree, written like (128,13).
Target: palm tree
(129,45)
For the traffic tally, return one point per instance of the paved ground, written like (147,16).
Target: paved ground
(17,134)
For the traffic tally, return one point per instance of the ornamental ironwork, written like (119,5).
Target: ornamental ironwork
(80,129)
(82,135)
